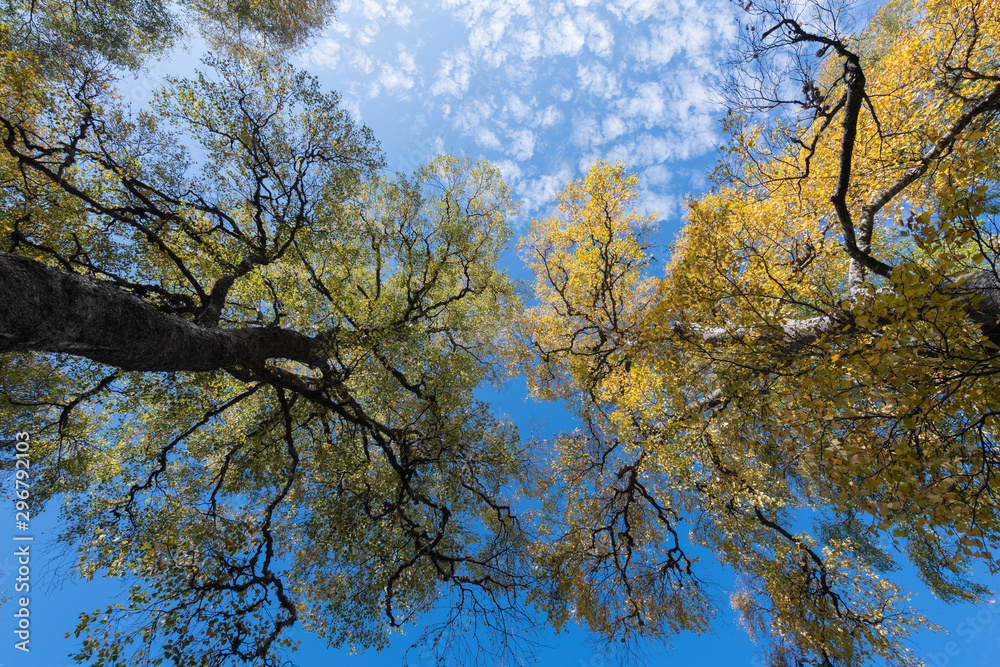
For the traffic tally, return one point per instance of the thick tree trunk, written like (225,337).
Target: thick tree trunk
(980,292)
(984,288)
(43,309)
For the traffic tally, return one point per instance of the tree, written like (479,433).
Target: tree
(281,428)
(281,25)
(126,33)
(252,383)
(815,378)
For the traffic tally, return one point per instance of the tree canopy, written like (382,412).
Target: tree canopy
(247,356)
(127,32)
(252,381)
(814,379)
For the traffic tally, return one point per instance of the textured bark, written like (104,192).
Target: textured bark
(984,289)
(980,292)
(43,309)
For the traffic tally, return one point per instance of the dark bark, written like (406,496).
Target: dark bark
(43,309)
(984,289)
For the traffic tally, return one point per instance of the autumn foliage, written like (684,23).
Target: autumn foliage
(249,359)
(812,383)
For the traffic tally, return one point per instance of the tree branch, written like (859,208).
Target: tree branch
(43,309)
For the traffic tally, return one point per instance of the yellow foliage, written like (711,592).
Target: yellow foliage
(812,346)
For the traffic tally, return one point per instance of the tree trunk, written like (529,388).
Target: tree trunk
(984,288)
(980,292)
(43,309)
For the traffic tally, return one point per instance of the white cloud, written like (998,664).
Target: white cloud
(392,80)
(586,131)
(395,80)
(540,191)
(510,170)
(360,60)
(541,86)
(564,38)
(358,22)
(365,35)
(647,104)
(484,35)
(597,79)
(613,127)
(664,205)
(325,54)
(547,117)
(487,139)
(562,92)
(471,115)
(522,144)
(600,38)
(658,174)
(635,11)
(384,11)
(529,44)
(644,150)
(517,108)
(406,60)
(351,102)
(453,75)
(660,48)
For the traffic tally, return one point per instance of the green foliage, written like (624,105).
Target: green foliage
(126,33)
(273,24)
(345,483)
(121,31)
(824,340)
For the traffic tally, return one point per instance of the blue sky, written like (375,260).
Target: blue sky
(542,89)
